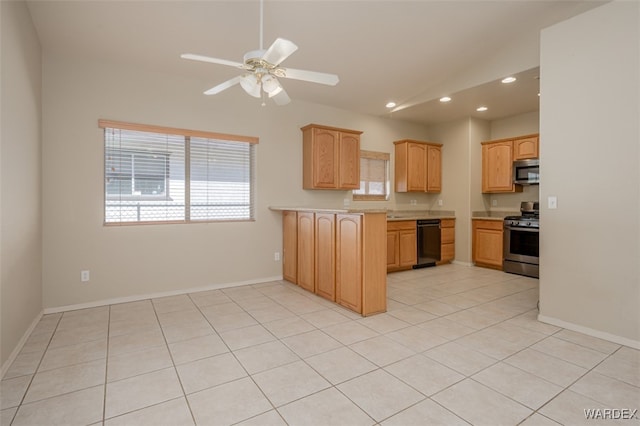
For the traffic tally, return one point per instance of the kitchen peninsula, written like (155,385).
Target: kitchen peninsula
(341,254)
(338,254)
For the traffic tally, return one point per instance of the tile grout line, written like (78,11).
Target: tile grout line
(235,357)
(19,406)
(173,363)
(106,368)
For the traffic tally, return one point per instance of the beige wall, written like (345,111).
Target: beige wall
(456,179)
(128,261)
(590,104)
(20,177)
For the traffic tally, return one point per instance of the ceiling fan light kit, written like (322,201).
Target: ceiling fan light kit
(264,69)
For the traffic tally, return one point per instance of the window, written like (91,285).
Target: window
(374,176)
(136,174)
(158,174)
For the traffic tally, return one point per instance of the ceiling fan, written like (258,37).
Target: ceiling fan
(263,68)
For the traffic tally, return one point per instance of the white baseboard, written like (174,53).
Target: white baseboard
(590,332)
(136,298)
(18,348)
(458,262)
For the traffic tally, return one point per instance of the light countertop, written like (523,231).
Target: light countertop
(493,215)
(392,215)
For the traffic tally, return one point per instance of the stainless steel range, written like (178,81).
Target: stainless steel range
(521,241)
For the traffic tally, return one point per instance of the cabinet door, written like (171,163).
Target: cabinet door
(434,169)
(290,246)
(349,261)
(393,249)
(349,161)
(408,247)
(325,153)
(325,283)
(487,243)
(416,167)
(526,148)
(306,247)
(497,167)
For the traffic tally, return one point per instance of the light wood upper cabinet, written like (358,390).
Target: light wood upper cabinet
(418,166)
(290,246)
(349,161)
(497,161)
(487,243)
(434,168)
(526,148)
(330,158)
(497,167)
(325,278)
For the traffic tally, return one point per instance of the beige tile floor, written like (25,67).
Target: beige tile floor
(459,345)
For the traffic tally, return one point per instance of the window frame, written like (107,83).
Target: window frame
(187,134)
(375,155)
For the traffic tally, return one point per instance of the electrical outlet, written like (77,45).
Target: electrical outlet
(414,202)
(494,202)
(346,202)
(552,202)
(440,203)
(276,256)
(84,276)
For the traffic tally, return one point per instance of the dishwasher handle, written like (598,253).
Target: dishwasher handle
(428,223)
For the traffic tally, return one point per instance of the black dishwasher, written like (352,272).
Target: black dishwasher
(428,243)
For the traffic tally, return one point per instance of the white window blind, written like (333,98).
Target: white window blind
(221,178)
(158,174)
(374,176)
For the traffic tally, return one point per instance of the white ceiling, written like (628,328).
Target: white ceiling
(411,52)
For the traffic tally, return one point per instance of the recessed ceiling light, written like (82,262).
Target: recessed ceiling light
(445,99)
(507,80)
(482,109)
(390,104)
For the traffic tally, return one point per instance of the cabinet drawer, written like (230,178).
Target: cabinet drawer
(447,252)
(447,223)
(401,225)
(488,224)
(447,235)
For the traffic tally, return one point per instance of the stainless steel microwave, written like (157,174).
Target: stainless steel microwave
(526,172)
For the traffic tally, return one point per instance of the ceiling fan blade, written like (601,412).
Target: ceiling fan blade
(201,58)
(280,97)
(312,76)
(279,51)
(223,86)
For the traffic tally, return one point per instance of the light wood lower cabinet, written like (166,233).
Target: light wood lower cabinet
(340,257)
(487,243)
(290,246)
(306,251)
(325,275)
(349,256)
(402,244)
(447,240)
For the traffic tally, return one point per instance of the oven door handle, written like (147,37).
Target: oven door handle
(517,228)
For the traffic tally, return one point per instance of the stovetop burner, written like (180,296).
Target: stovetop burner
(530,217)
